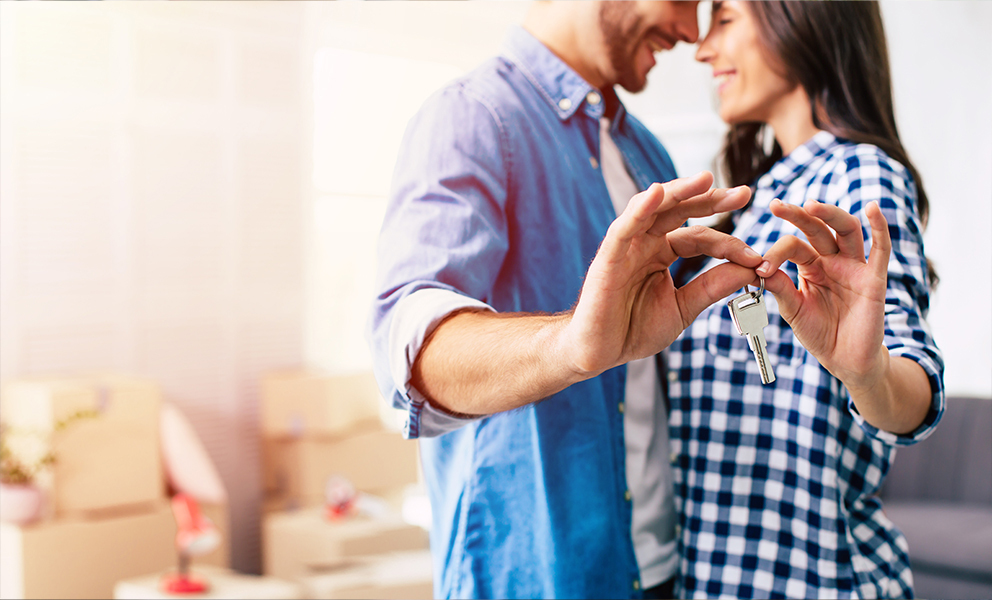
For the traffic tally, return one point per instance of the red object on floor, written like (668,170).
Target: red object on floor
(178,583)
(195,535)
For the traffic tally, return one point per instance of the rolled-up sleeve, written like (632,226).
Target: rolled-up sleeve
(442,244)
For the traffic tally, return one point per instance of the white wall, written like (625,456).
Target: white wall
(375,64)
(151,206)
(941,58)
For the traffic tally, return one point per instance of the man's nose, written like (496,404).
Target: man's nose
(688,30)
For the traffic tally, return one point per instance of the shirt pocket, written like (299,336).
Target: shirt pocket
(782,346)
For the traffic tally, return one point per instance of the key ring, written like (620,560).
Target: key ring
(761,290)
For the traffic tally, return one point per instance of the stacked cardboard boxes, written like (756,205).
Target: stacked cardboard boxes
(316,427)
(84,557)
(303,542)
(106,515)
(103,432)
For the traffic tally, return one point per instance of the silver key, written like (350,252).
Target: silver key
(750,318)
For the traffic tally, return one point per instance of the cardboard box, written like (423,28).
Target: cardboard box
(103,462)
(400,575)
(300,403)
(374,461)
(79,558)
(295,543)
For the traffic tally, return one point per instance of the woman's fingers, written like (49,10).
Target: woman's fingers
(881,243)
(787,248)
(817,232)
(788,297)
(850,238)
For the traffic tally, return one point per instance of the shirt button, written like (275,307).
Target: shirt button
(678,530)
(637,584)
(593,98)
(594,162)
(620,407)
(673,458)
(673,376)
(564,104)
(626,495)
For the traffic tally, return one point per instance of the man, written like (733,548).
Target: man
(535,404)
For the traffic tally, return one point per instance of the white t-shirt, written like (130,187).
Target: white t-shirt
(645,422)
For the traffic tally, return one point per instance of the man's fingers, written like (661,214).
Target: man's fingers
(684,188)
(663,197)
(787,248)
(711,286)
(666,216)
(674,215)
(696,240)
(665,207)
(816,231)
(638,216)
(850,239)
(881,243)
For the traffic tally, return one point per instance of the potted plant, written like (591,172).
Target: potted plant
(21,500)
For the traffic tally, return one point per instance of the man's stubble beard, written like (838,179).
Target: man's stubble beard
(621,27)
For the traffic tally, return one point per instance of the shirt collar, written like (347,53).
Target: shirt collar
(562,88)
(785,171)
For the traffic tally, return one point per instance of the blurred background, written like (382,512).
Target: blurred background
(191,192)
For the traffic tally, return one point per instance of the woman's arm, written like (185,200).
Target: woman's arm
(838,310)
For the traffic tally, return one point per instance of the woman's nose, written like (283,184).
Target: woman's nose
(705,51)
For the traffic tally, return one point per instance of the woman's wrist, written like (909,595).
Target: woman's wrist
(897,400)
(871,382)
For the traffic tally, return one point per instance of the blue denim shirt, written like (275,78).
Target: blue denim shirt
(498,196)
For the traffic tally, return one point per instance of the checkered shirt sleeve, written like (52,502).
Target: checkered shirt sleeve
(866,174)
(777,485)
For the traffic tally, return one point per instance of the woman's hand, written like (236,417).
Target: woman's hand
(838,310)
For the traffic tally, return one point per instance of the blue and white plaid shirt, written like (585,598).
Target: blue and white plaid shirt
(777,485)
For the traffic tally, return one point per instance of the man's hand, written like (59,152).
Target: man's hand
(629,307)
(481,363)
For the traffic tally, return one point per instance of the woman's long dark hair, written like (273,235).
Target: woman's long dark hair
(837,52)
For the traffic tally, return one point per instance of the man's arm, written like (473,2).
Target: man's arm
(479,363)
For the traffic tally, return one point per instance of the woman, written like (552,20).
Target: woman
(777,484)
